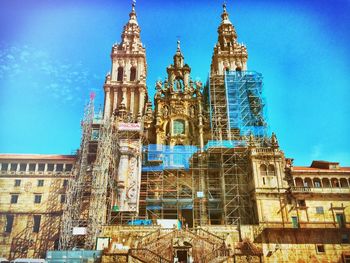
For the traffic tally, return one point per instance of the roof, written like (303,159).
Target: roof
(314,169)
(58,157)
(321,166)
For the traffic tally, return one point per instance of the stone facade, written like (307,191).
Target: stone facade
(32,197)
(238,197)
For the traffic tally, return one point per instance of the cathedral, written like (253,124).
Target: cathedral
(191,175)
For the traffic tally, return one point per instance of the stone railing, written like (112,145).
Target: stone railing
(320,224)
(146,255)
(35,173)
(323,190)
(216,256)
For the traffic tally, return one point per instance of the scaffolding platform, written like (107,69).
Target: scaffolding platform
(237,106)
(158,157)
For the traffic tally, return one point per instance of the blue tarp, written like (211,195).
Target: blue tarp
(158,157)
(73,256)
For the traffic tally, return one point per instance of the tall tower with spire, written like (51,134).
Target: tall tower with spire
(125,97)
(228,53)
(235,100)
(125,86)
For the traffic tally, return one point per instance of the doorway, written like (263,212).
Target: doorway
(182,256)
(188,217)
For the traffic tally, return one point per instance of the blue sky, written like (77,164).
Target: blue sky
(53,53)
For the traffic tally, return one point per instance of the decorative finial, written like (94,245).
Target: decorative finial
(224,6)
(133,4)
(178,45)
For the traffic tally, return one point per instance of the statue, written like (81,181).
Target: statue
(158,89)
(274,140)
(192,111)
(165,111)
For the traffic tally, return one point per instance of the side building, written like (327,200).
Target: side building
(32,197)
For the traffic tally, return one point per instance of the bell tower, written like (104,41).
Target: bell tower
(125,97)
(228,53)
(229,57)
(125,86)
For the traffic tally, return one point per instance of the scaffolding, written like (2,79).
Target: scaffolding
(76,212)
(102,181)
(237,106)
(197,188)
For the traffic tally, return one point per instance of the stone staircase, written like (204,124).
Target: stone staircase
(158,246)
(147,256)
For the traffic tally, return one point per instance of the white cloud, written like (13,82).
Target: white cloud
(59,79)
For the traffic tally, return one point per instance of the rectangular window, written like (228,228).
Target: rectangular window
(22,167)
(59,167)
(41,167)
(295,222)
(320,249)
(50,167)
(95,134)
(40,182)
(17,182)
(301,203)
(14,198)
(319,210)
(13,167)
(63,199)
(36,226)
(9,223)
(345,238)
(178,127)
(69,167)
(32,167)
(4,166)
(340,220)
(37,199)
(65,182)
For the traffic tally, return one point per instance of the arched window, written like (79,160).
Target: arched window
(271,170)
(120,74)
(335,182)
(133,74)
(263,170)
(308,182)
(326,183)
(178,127)
(299,182)
(317,183)
(343,183)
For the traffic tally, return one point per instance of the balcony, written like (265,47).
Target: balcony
(303,225)
(321,190)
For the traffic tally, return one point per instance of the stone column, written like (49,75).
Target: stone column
(107,112)
(122,175)
(115,101)
(125,97)
(132,100)
(141,100)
